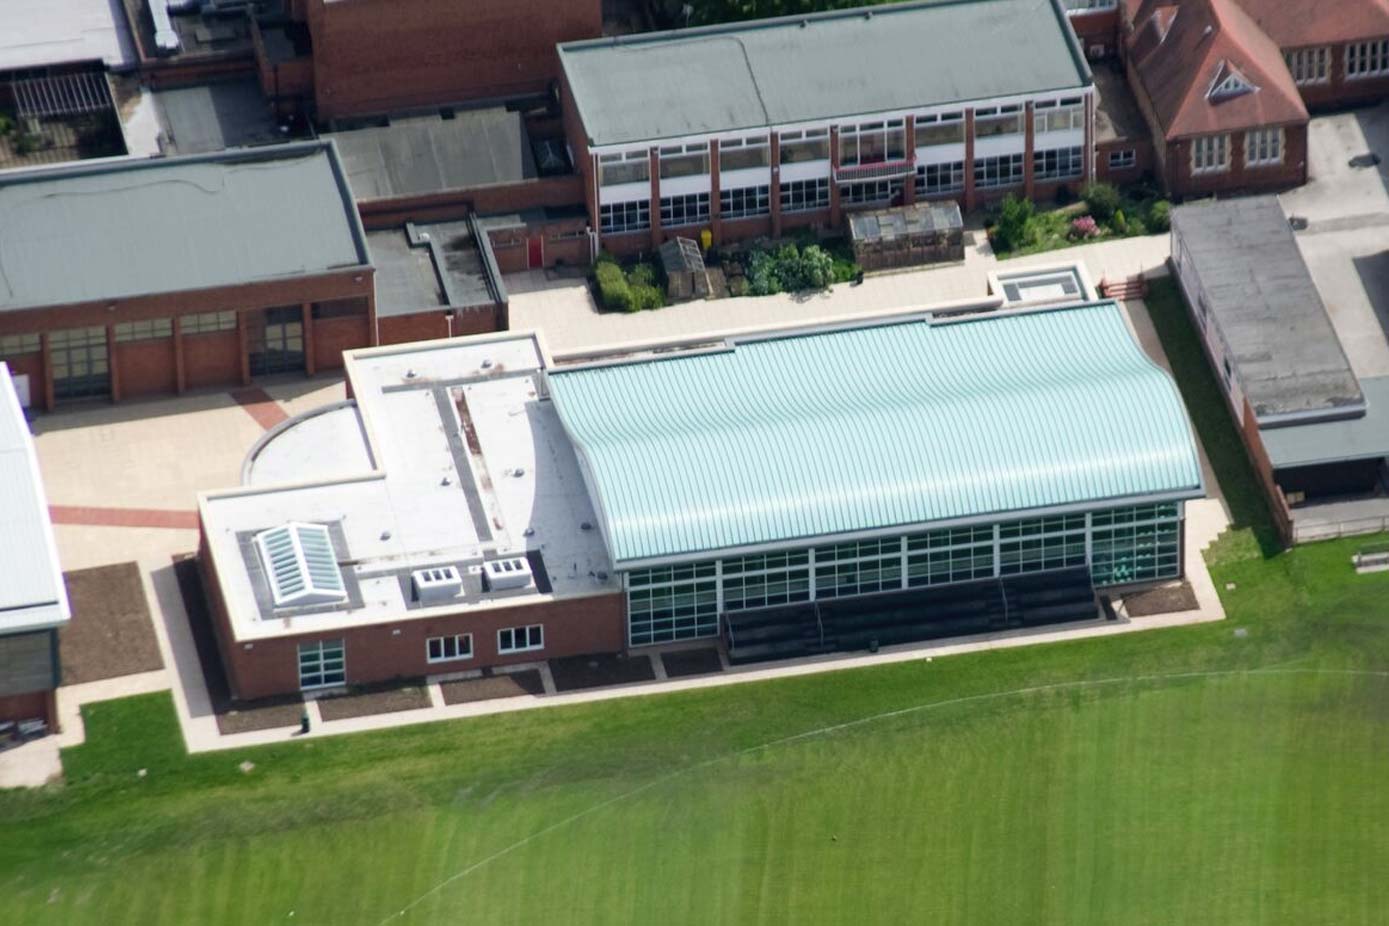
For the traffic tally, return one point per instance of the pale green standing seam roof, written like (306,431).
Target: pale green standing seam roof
(817,434)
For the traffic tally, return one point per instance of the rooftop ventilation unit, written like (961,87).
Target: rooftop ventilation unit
(512,572)
(437,584)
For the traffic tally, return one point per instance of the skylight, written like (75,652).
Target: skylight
(301,565)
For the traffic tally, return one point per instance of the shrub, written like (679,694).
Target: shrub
(1121,224)
(814,269)
(6,124)
(1013,217)
(1084,227)
(1102,199)
(1160,216)
(643,274)
(604,258)
(738,286)
(646,296)
(613,291)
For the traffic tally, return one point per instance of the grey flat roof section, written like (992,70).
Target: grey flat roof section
(429,154)
(136,227)
(211,117)
(1363,438)
(1262,297)
(421,267)
(32,594)
(824,66)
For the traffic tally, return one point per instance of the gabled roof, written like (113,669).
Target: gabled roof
(806,435)
(1295,23)
(819,67)
(1182,52)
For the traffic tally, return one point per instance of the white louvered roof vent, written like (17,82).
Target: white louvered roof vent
(512,572)
(300,565)
(437,584)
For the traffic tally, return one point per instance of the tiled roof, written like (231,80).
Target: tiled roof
(1181,50)
(1294,23)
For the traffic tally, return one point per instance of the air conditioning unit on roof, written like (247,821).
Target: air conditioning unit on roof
(512,572)
(437,584)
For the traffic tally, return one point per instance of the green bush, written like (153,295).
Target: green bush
(643,274)
(604,258)
(1102,199)
(1160,216)
(1119,223)
(1014,214)
(646,296)
(763,273)
(613,291)
(814,269)
(6,124)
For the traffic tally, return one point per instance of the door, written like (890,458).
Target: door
(276,341)
(535,252)
(79,363)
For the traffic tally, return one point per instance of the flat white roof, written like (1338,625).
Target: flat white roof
(32,594)
(44,32)
(462,459)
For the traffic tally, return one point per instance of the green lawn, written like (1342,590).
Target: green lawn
(1190,776)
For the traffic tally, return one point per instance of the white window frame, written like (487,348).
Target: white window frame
(147,329)
(20,345)
(954,119)
(609,214)
(207,322)
(624,159)
(790,189)
(883,130)
(534,637)
(1123,159)
(991,116)
(461,645)
(955,170)
(1064,115)
(790,141)
(1367,59)
(1089,6)
(757,146)
(1210,154)
(981,165)
(684,209)
(1263,147)
(760,196)
(1070,163)
(676,161)
(1309,66)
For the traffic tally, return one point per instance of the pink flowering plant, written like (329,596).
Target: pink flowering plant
(1084,227)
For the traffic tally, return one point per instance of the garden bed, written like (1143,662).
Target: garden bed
(110,633)
(491,687)
(1016,226)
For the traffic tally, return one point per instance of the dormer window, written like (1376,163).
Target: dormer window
(1229,83)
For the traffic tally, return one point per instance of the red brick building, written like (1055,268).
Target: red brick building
(134,278)
(362,57)
(1224,112)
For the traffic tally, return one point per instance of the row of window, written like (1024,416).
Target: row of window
(16,345)
(323,663)
(865,143)
(1311,66)
(1122,545)
(1210,154)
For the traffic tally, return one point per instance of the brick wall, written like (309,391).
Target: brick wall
(1144,162)
(1098,28)
(30,706)
(540,193)
(212,359)
(1180,181)
(373,56)
(144,368)
(421,326)
(1337,91)
(332,336)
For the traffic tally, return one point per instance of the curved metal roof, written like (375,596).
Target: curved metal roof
(833,432)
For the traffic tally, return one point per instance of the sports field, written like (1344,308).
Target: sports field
(1229,773)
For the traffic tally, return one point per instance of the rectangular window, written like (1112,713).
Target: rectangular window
(766,579)
(147,330)
(207,322)
(521,639)
(998,172)
(873,143)
(955,555)
(998,120)
(672,603)
(805,195)
(690,209)
(1210,154)
(340,308)
(806,145)
(932,179)
(1086,6)
(446,649)
(1040,544)
(871,193)
(322,664)
(858,567)
(1057,164)
(1058,115)
(1263,147)
(745,202)
(744,153)
(940,129)
(1139,544)
(616,218)
(17,345)
(1309,65)
(1123,159)
(627,167)
(685,161)
(1367,59)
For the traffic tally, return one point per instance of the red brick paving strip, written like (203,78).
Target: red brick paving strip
(123,517)
(260,406)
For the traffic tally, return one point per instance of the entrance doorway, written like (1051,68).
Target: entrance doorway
(78,359)
(276,341)
(535,252)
